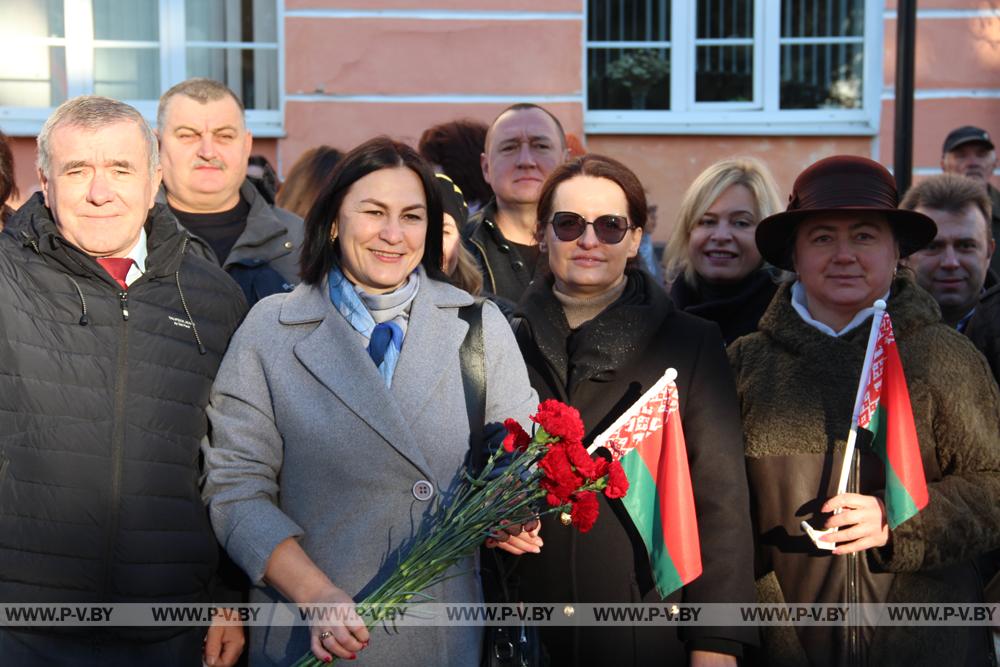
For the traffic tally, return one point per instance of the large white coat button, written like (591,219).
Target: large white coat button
(423,490)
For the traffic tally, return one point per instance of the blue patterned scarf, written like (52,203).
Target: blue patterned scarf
(381,318)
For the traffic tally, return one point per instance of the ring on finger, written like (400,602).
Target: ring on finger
(325,635)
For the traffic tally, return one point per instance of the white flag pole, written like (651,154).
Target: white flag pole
(668,377)
(852,436)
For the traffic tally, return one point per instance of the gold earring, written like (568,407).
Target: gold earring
(333,234)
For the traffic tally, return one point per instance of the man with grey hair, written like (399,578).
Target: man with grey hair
(205,144)
(112,331)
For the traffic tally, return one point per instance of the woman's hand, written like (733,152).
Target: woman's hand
(865,516)
(340,632)
(518,540)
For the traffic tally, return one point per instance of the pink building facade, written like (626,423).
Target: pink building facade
(667,86)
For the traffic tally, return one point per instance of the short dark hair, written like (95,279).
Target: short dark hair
(319,255)
(526,106)
(598,166)
(952,193)
(455,147)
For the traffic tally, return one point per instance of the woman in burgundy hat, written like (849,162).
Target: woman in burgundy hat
(797,379)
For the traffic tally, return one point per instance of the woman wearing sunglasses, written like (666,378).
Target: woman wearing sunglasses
(712,258)
(597,334)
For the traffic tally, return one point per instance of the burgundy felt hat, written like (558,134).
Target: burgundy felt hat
(837,184)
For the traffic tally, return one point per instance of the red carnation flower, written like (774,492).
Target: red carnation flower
(617,481)
(580,459)
(516,438)
(559,420)
(559,480)
(600,467)
(554,500)
(584,512)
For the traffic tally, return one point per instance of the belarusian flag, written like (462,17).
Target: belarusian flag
(886,413)
(649,442)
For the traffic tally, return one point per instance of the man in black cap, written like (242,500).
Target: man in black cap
(969,151)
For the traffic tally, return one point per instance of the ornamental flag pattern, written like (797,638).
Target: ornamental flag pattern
(648,440)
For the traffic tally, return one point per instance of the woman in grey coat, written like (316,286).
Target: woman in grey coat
(339,417)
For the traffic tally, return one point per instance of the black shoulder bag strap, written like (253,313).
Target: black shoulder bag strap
(502,646)
(472,356)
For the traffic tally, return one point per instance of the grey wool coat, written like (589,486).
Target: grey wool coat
(307,442)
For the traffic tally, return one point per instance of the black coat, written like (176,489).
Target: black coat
(736,309)
(602,369)
(102,413)
(505,274)
(984,328)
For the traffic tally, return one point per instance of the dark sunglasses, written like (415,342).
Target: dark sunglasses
(609,229)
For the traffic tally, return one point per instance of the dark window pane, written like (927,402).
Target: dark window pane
(127,74)
(628,20)
(133,20)
(628,78)
(36,78)
(724,74)
(822,18)
(231,20)
(250,73)
(817,76)
(717,19)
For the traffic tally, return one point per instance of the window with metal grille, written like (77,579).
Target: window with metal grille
(733,66)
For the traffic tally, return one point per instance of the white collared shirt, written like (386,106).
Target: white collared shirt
(799,304)
(138,256)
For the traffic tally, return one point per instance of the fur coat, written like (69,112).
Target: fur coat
(797,388)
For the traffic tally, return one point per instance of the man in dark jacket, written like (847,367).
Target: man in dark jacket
(954,268)
(205,145)
(984,329)
(523,145)
(969,151)
(111,331)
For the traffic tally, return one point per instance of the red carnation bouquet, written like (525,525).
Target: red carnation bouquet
(533,475)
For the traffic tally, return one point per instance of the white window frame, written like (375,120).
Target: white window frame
(79,44)
(762,116)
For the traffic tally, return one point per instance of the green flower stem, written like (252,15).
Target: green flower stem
(456,530)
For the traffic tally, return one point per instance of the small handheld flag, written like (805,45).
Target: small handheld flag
(882,407)
(887,414)
(648,440)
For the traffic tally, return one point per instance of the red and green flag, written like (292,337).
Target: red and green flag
(887,415)
(648,441)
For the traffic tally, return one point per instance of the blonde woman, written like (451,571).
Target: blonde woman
(712,260)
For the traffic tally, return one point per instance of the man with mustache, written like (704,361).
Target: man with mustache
(969,151)
(524,143)
(204,145)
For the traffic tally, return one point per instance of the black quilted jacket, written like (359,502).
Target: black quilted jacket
(102,412)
